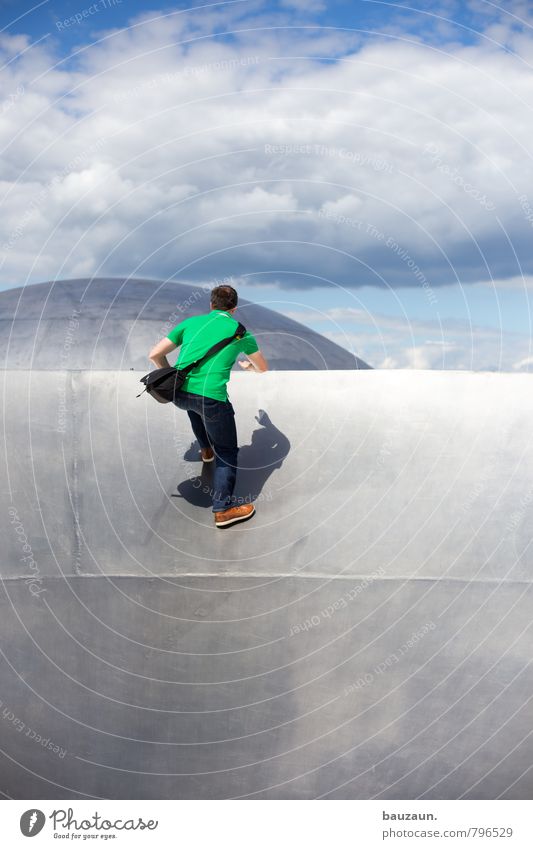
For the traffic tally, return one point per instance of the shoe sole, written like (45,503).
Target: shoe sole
(235,521)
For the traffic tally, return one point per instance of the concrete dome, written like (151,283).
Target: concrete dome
(111,323)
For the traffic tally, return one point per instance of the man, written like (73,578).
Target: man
(204,393)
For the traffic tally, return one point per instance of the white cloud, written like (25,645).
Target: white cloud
(159,139)
(386,341)
(523,364)
(518,282)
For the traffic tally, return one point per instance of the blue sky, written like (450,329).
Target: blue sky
(364,167)
(426,20)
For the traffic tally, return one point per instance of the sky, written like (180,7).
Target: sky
(363,167)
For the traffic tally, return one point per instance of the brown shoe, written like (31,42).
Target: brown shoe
(234,515)
(208,455)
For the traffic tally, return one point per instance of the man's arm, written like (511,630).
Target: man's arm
(158,353)
(256,362)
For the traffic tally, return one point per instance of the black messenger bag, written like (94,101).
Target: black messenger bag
(162,384)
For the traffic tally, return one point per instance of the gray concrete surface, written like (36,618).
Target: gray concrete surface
(367,635)
(111,323)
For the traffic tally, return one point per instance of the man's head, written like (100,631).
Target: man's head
(224,298)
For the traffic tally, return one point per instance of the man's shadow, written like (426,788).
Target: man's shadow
(256,462)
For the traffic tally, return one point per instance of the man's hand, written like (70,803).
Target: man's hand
(255,361)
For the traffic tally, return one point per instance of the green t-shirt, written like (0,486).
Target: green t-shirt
(199,333)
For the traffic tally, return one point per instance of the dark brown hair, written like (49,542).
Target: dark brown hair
(224,298)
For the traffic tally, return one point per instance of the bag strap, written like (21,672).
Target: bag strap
(239,333)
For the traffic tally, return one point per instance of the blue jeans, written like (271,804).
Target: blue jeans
(213,424)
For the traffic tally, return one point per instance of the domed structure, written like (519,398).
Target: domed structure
(111,323)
